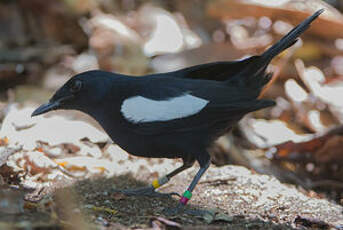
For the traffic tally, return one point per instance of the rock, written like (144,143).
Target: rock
(228,195)
(240,192)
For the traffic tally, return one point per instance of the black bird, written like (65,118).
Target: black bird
(176,114)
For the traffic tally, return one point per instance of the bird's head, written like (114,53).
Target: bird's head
(81,92)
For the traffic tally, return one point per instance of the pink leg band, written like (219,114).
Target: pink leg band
(184,200)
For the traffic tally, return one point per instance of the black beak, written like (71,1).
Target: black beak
(45,108)
(52,105)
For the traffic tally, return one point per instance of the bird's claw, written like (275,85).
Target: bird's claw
(181,208)
(198,212)
(175,210)
(147,191)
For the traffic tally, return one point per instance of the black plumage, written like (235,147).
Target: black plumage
(190,107)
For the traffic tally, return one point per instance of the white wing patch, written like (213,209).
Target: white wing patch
(139,109)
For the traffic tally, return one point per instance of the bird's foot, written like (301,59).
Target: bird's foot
(181,208)
(198,212)
(147,191)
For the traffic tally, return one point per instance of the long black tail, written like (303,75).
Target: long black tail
(254,74)
(290,38)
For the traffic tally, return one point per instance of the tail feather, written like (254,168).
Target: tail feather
(290,38)
(254,74)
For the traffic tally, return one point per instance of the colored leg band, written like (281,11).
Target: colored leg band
(187,195)
(184,200)
(159,182)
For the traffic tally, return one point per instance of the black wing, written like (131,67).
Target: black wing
(225,104)
(218,71)
(210,116)
(248,68)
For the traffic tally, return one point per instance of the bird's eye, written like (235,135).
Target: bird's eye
(76,86)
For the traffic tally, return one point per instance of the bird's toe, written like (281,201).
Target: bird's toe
(147,191)
(174,210)
(182,209)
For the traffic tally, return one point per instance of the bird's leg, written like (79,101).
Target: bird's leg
(150,190)
(188,193)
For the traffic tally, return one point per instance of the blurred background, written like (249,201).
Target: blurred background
(45,42)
